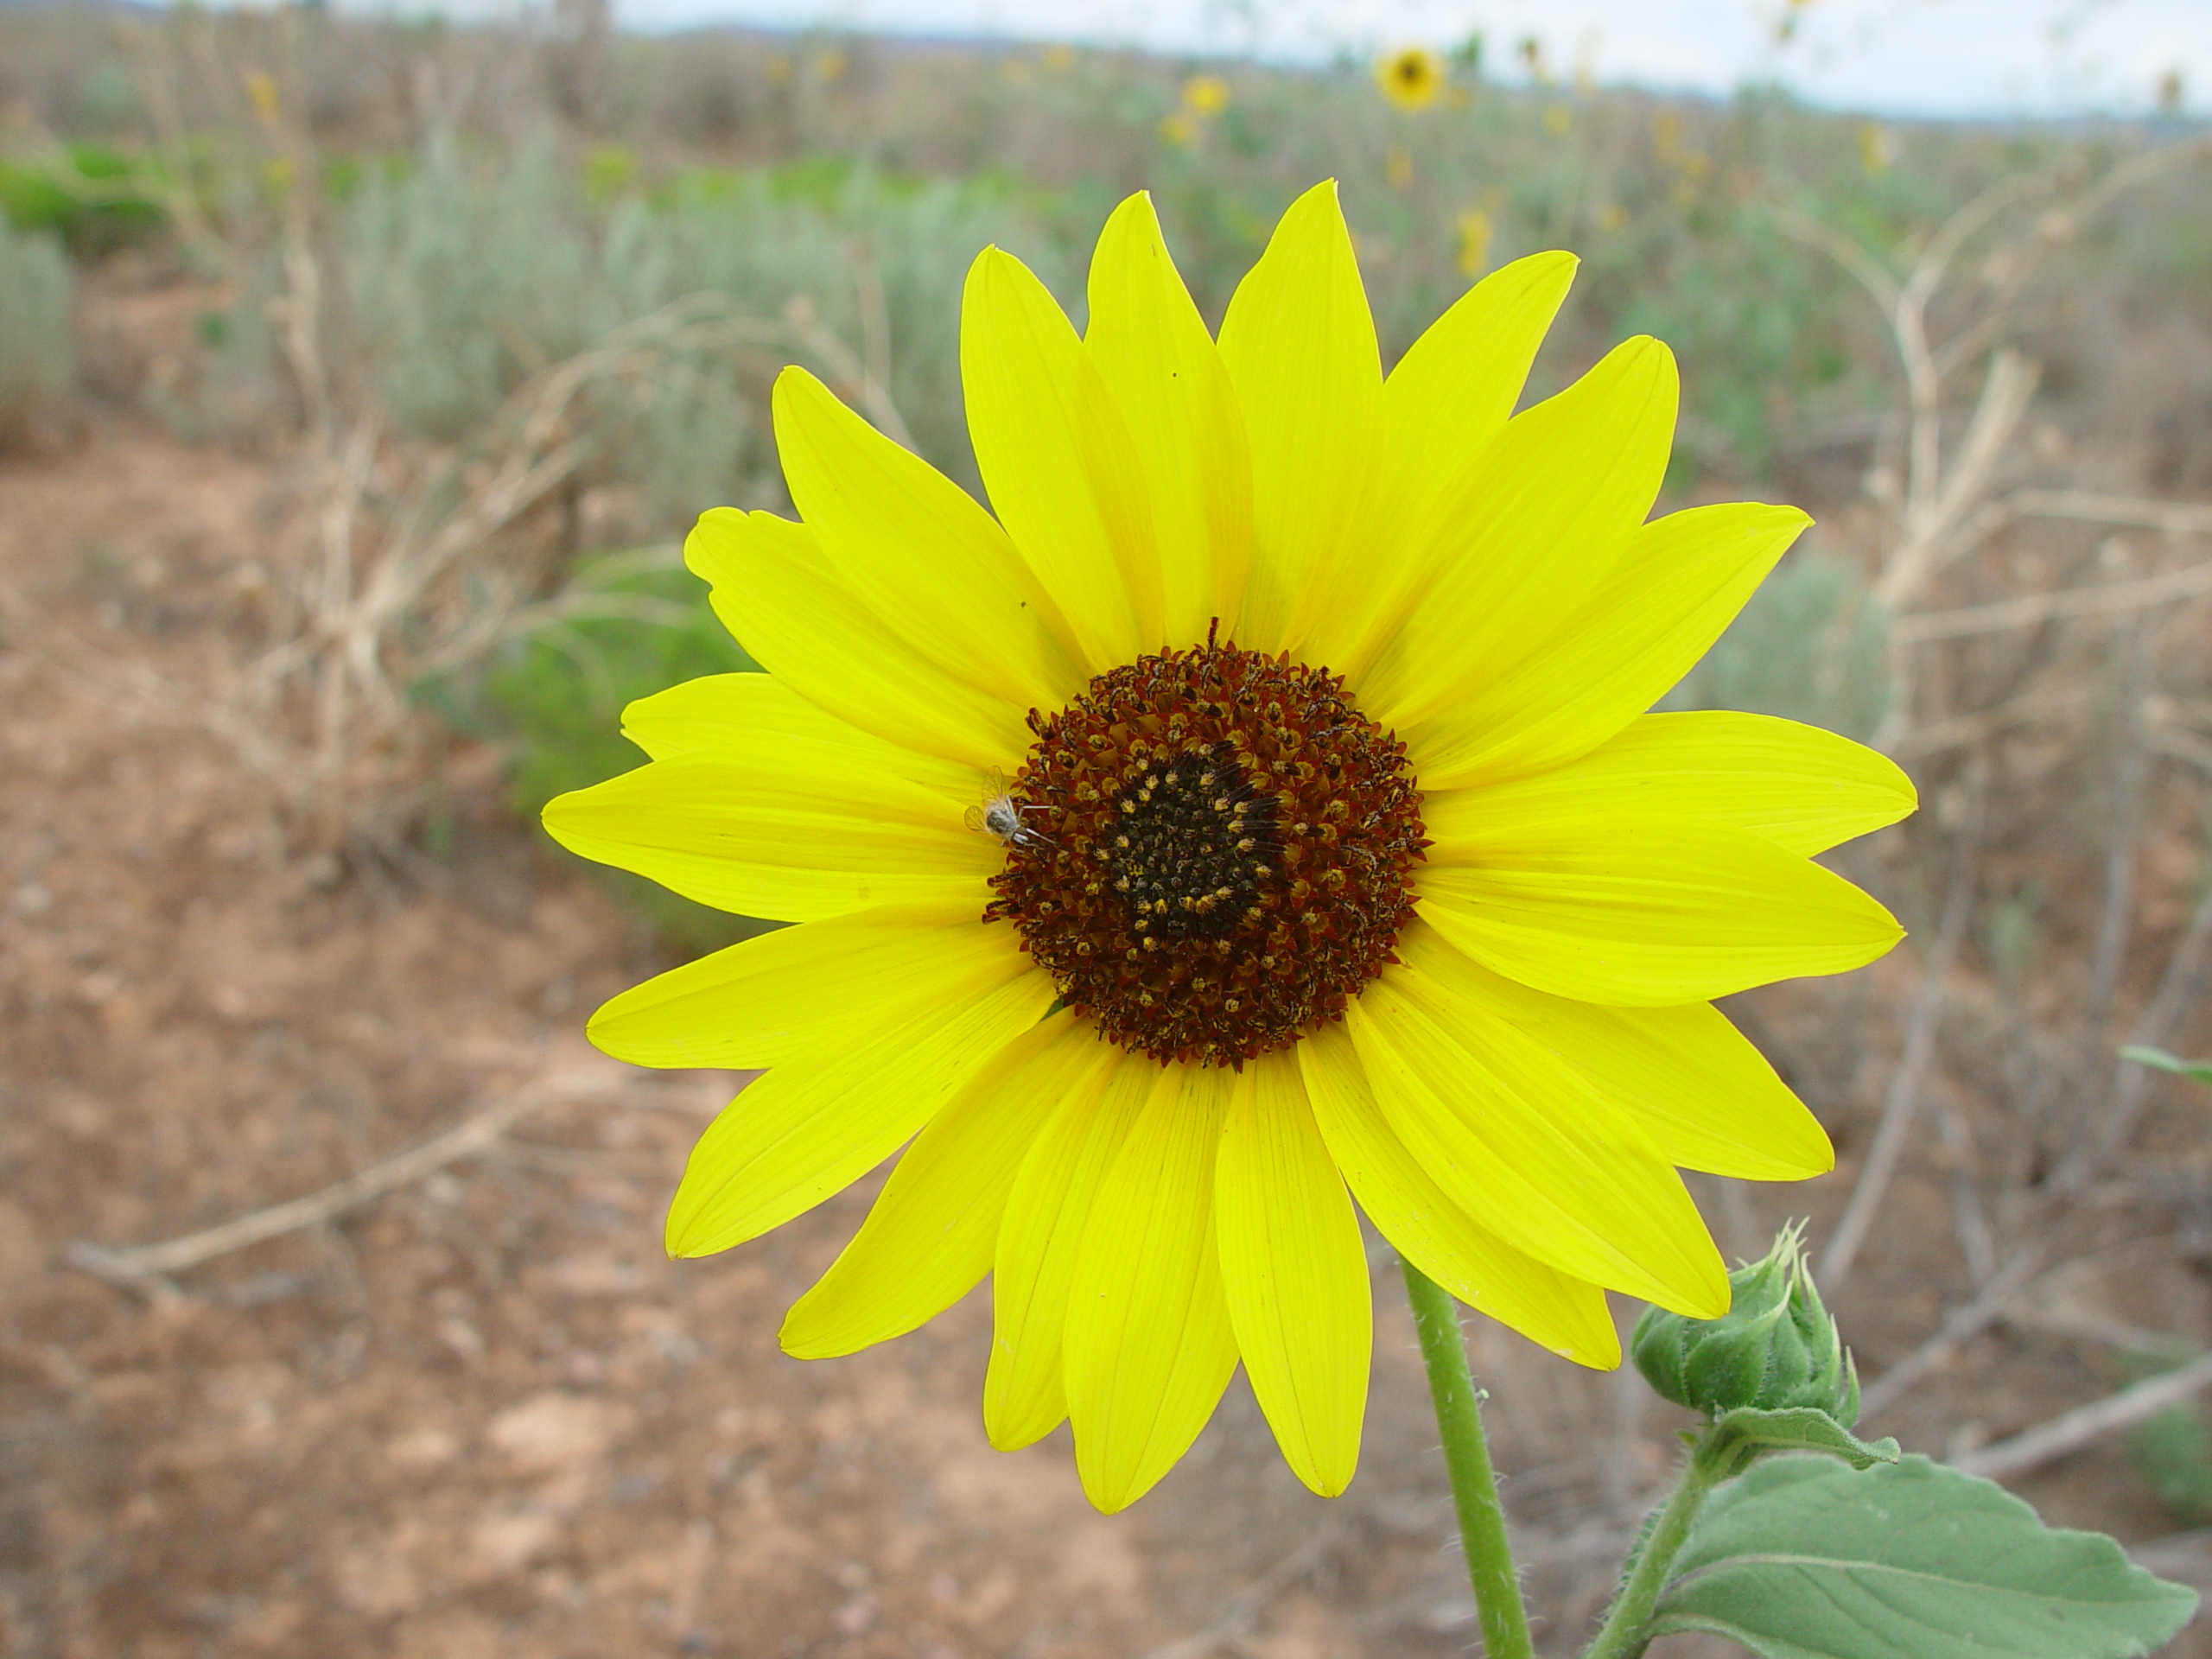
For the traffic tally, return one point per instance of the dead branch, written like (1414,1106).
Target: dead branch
(472,1133)
(2177,990)
(2072,1430)
(1902,1103)
(2085,506)
(2005,393)
(1961,730)
(1963,1324)
(2033,608)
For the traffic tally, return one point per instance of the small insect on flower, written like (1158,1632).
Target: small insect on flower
(998,814)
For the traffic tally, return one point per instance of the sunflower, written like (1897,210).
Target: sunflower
(1259,814)
(1412,78)
(1204,95)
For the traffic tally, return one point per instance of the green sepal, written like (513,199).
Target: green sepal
(1802,1558)
(1742,1435)
(1777,1348)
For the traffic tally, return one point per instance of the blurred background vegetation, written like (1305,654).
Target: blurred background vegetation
(469,208)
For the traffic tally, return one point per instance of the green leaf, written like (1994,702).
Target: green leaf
(1804,1559)
(1742,1434)
(2195,1070)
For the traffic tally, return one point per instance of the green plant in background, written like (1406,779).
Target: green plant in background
(36,360)
(2172,1450)
(556,697)
(469,274)
(2195,1070)
(94,197)
(1810,645)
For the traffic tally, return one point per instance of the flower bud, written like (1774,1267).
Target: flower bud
(1776,1348)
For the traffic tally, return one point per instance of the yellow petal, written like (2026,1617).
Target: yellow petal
(930,1238)
(1804,789)
(1449,396)
(1300,345)
(696,715)
(1058,462)
(1294,1272)
(1166,378)
(829,1115)
(745,831)
(758,1002)
(1649,912)
(1563,1313)
(1679,582)
(1024,1396)
(758,719)
(1512,1134)
(1701,1090)
(1536,527)
(1149,1347)
(920,553)
(775,592)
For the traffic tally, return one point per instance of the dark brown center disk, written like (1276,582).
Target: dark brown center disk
(1218,852)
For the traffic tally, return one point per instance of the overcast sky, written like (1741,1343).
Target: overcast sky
(1963,57)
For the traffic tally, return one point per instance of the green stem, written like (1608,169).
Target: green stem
(1627,1632)
(1466,1457)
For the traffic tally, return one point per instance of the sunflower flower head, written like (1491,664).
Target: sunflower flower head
(1413,77)
(1254,818)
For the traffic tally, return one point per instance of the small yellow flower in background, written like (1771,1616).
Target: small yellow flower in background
(1558,120)
(1473,257)
(261,93)
(1179,129)
(1204,95)
(1612,219)
(1666,136)
(1058,58)
(1877,149)
(1398,168)
(777,71)
(1015,72)
(1254,816)
(1412,78)
(829,65)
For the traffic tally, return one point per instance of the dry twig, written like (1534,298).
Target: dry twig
(1903,1101)
(2072,1430)
(472,1133)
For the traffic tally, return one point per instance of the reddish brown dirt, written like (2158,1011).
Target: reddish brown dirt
(482,1415)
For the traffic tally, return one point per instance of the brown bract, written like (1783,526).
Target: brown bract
(1223,854)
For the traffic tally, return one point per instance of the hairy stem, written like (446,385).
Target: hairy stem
(1466,1457)
(1627,1632)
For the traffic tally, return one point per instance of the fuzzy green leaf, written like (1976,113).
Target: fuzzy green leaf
(1747,1432)
(1805,1559)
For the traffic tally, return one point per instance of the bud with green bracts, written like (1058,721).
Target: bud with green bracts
(1776,1348)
